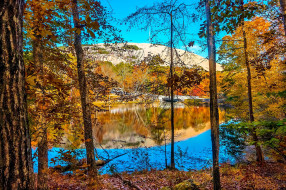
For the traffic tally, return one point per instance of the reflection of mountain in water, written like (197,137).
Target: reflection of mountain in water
(132,107)
(134,125)
(126,107)
(167,105)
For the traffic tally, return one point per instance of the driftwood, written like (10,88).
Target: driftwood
(81,164)
(104,162)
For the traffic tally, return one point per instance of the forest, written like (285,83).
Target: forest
(158,94)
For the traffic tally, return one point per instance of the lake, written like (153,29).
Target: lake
(142,133)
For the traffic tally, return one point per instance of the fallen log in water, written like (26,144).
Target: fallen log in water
(81,164)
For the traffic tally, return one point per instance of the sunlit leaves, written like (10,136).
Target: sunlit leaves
(266,71)
(227,15)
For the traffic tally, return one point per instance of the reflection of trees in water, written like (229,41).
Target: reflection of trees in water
(137,124)
(157,126)
(157,134)
(122,125)
(189,117)
(186,117)
(72,138)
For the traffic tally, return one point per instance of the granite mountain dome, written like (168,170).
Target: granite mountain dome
(136,52)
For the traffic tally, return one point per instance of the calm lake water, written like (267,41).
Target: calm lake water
(142,133)
(140,125)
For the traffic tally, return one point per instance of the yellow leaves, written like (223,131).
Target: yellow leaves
(56,80)
(40,34)
(45,33)
(31,36)
(34,144)
(266,104)
(78,31)
(39,17)
(91,92)
(98,103)
(76,93)
(31,80)
(45,6)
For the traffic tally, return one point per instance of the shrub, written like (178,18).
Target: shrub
(103,51)
(133,47)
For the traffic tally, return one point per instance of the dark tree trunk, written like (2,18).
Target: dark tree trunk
(172,102)
(214,115)
(283,9)
(83,93)
(259,154)
(42,129)
(15,148)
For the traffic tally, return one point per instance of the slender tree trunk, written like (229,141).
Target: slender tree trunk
(15,147)
(214,115)
(172,102)
(259,154)
(42,139)
(166,161)
(283,9)
(43,159)
(83,93)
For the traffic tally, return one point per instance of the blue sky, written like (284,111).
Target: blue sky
(122,8)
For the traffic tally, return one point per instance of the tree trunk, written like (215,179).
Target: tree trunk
(214,115)
(42,183)
(15,148)
(172,102)
(259,154)
(43,160)
(83,93)
(283,9)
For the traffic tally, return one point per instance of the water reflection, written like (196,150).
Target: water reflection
(141,125)
(127,126)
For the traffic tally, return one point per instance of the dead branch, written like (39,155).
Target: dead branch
(129,183)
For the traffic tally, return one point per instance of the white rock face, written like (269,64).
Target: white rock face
(116,54)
